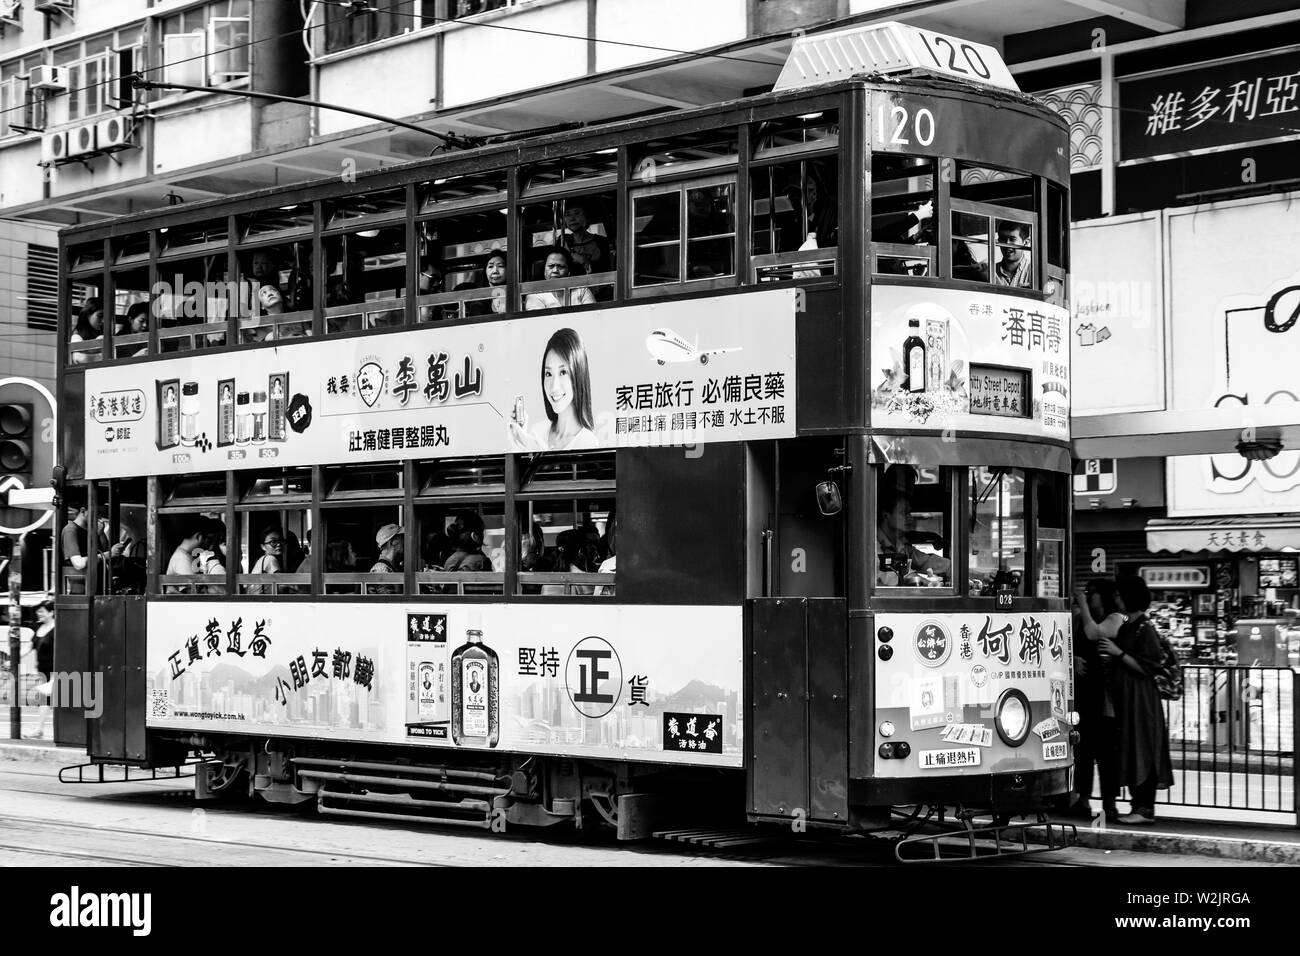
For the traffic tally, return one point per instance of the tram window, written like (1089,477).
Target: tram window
(86,255)
(208,235)
(459,475)
(581,226)
(378,480)
(363,554)
(479,189)
(1058,226)
(463,265)
(296,219)
(970,247)
(1015,263)
(685,233)
(124,549)
(902,214)
(275,299)
(567,547)
(384,206)
(797,134)
(193,303)
(586,169)
(914,526)
(86,322)
(274,541)
(132,312)
(1051,501)
(365,279)
(795,219)
(462,548)
(690,153)
(131,249)
(192,553)
(547,471)
(997,531)
(994,186)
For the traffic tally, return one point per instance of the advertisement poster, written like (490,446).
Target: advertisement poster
(968,361)
(668,374)
(942,685)
(658,684)
(1238,308)
(1117,333)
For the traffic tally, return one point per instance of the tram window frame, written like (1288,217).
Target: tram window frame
(557,583)
(439,515)
(916,259)
(86,351)
(976,497)
(682,189)
(352,488)
(563,478)
(533,285)
(994,218)
(185,502)
(350,304)
(888,577)
(294,318)
(127,344)
(258,496)
(1051,500)
(435,301)
(445,487)
(204,332)
(776,265)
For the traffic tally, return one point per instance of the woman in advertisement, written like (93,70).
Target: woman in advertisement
(566,393)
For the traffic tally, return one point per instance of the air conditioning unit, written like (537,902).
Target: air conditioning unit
(51,78)
(54,147)
(82,140)
(113,134)
(11,13)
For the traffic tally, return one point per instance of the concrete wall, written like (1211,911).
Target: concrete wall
(672,24)
(399,81)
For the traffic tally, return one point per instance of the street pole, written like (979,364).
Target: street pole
(15,632)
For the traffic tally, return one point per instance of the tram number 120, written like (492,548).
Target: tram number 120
(894,123)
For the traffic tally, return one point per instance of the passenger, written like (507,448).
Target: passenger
(182,561)
(1141,737)
(391,539)
(590,251)
(1014,268)
(610,564)
(902,564)
(210,555)
(566,395)
(272,560)
(821,207)
(494,270)
(468,556)
(340,558)
(559,265)
(74,540)
(910,226)
(88,327)
(136,323)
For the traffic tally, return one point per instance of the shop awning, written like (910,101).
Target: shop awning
(1264,533)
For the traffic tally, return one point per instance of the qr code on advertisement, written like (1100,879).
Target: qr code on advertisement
(159,702)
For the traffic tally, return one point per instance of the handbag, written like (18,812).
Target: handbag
(1169,675)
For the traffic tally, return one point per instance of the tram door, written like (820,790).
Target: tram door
(799,770)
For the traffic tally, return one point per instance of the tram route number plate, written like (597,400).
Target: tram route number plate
(947,759)
(1055,750)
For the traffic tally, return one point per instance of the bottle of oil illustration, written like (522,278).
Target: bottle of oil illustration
(914,366)
(475,690)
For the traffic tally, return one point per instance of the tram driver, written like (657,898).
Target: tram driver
(900,562)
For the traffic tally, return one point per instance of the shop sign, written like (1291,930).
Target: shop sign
(1176,576)
(1204,106)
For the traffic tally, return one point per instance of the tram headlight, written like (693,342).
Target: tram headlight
(886,728)
(1012,717)
(886,751)
(1074,718)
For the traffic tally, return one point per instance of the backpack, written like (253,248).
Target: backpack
(1169,675)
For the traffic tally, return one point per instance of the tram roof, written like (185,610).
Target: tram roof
(541,144)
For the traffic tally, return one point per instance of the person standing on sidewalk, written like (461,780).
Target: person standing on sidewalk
(43,648)
(1096,615)
(1142,739)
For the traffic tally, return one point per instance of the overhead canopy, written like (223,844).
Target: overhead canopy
(989,452)
(1265,533)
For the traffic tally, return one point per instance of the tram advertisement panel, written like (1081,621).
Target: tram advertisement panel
(659,684)
(679,373)
(969,361)
(983,693)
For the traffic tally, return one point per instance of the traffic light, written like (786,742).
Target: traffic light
(16,443)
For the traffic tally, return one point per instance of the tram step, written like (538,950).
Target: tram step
(468,812)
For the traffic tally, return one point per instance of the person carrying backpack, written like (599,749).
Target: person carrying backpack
(1141,737)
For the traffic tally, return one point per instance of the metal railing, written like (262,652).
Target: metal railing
(1232,743)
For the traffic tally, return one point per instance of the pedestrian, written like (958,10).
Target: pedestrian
(1096,613)
(43,648)
(1141,736)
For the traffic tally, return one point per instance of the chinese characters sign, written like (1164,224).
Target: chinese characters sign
(951,361)
(1240,102)
(677,373)
(658,684)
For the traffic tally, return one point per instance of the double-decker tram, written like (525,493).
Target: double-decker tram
(711,459)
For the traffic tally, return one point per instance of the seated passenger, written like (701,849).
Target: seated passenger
(137,322)
(88,327)
(272,560)
(1014,267)
(209,556)
(559,265)
(467,532)
(901,563)
(494,270)
(183,559)
(391,539)
(590,251)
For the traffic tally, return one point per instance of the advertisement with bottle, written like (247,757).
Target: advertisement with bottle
(660,374)
(947,360)
(981,692)
(656,684)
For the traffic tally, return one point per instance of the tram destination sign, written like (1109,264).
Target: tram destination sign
(664,374)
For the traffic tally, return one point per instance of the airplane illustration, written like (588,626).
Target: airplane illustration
(665,346)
